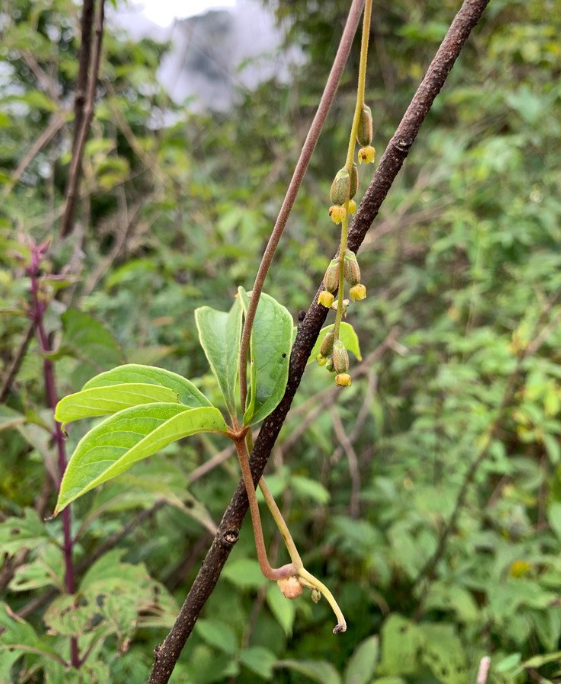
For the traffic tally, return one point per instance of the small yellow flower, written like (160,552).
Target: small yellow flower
(321,359)
(343,380)
(326,299)
(337,213)
(357,292)
(367,155)
(352,207)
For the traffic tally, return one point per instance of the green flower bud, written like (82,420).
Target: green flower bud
(326,348)
(352,269)
(329,365)
(331,277)
(340,357)
(364,133)
(354,181)
(340,187)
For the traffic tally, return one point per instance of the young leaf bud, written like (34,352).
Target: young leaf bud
(331,277)
(343,380)
(337,213)
(340,357)
(364,133)
(321,359)
(352,207)
(367,155)
(326,299)
(354,181)
(340,187)
(326,348)
(352,269)
(290,587)
(357,292)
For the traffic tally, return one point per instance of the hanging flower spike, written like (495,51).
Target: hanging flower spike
(367,155)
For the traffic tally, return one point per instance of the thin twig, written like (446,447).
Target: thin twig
(352,459)
(167,654)
(54,125)
(72,187)
(483,671)
(17,361)
(297,177)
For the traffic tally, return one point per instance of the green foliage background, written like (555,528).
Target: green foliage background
(463,268)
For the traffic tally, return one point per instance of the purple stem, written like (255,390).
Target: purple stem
(38,309)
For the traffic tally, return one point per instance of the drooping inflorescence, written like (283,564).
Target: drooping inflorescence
(344,268)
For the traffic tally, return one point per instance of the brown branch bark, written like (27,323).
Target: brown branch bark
(167,654)
(86,26)
(84,116)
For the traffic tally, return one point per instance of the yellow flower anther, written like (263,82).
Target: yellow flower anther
(343,380)
(357,292)
(367,155)
(337,213)
(326,299)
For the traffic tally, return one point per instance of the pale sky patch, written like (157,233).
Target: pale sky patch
(163,12)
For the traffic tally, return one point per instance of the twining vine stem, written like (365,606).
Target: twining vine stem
(167,654)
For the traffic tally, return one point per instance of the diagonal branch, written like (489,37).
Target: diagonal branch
(167,654)
(83,116)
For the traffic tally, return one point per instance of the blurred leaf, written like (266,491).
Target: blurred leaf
(244,573)
(10,418)
(318,671)
(362,664)
(28,532)
(217,634)
(283,609)
(259,660)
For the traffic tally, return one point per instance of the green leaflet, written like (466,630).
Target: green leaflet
(271,340)
(186,392)
(102,401)
(347,335)
(219,335)
(129,436)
